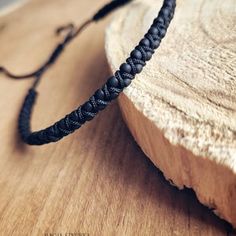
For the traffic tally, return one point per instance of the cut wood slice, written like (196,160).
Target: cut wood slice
(181,109)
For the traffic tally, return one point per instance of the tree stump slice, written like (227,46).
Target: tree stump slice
(181,109)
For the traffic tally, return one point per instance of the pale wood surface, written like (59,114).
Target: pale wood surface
(96,181)
(182,108)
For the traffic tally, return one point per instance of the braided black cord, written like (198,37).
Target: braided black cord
(103,96)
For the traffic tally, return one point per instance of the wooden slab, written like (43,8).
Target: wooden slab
(182,108)
(96,181)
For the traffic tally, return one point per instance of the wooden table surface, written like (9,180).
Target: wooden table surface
(96,181)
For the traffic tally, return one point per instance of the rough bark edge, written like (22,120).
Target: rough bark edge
(213,183)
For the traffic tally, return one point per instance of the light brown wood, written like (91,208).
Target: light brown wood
(96,181)
(182,108)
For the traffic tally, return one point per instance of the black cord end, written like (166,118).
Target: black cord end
(108,8)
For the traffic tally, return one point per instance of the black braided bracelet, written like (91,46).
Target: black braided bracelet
(109,91)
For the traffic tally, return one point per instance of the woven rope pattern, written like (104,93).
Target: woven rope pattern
(103,96)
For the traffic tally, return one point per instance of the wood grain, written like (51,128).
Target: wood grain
(182,108)
(96,181)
